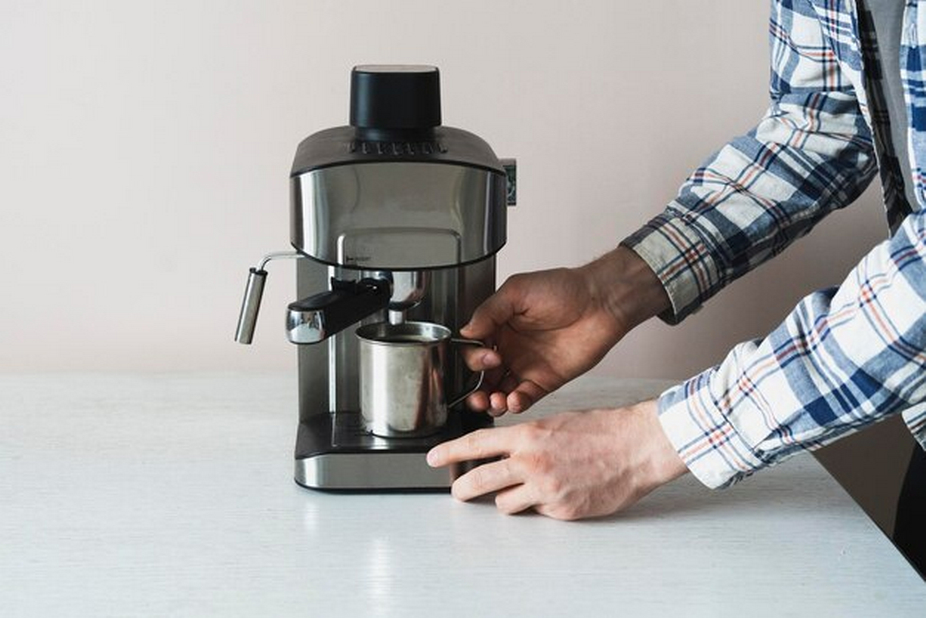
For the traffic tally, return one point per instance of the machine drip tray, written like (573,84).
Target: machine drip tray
(334,452)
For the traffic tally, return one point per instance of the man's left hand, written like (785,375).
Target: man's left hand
(568,466)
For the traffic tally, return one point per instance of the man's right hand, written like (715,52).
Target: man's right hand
(551,326)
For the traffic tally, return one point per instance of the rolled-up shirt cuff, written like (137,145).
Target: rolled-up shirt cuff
(715,453)
(678,256)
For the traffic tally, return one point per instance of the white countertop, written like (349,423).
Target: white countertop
(173,496)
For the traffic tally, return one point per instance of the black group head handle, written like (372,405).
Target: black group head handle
(321,315)
(394,99)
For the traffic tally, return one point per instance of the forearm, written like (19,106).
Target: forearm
(626,287)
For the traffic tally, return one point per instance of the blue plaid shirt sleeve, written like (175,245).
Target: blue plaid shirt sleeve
(810,154)
(844,357)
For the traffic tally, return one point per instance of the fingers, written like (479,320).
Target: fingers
(515,499)
(509,393)
(480,359)
(481,444)
(511,396)
(478,401)
(495,404)
(491,314)
(485,479)
(498,404)
(524,396)
(514,396)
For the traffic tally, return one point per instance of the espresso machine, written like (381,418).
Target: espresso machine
(393,219)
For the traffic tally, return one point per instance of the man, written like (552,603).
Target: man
(847,100)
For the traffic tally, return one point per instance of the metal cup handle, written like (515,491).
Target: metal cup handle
(482,374)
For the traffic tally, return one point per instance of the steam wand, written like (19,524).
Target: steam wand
(253,291)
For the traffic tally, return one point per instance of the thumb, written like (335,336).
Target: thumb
(493,313)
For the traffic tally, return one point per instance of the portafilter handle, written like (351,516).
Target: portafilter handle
(253,291)
(319,316)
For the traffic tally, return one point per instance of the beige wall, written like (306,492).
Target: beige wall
(145,147)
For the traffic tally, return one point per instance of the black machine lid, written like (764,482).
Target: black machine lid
(395,97)
(395,116)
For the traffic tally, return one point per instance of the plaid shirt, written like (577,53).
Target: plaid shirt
(846,356)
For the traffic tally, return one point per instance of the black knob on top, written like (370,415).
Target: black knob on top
(395,97)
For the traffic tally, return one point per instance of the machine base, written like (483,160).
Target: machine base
(335,452)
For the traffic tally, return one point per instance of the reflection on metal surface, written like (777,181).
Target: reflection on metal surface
(305,326)
(398,215)
(374,470)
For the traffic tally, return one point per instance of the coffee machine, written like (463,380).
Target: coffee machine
(394,218)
